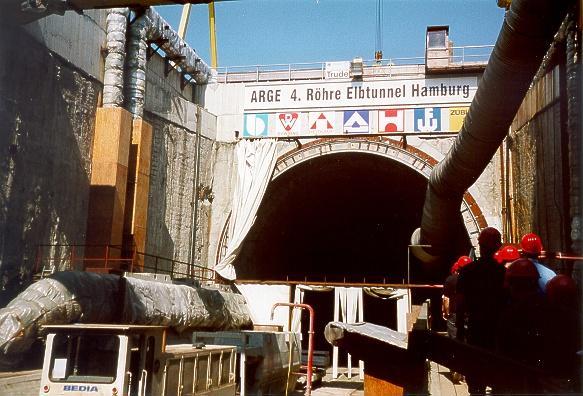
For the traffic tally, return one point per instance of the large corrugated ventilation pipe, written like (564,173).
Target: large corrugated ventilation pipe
(113,79)
(150,26)
(527,31)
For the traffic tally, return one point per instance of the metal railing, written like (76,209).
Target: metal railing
(469,54)
(113,259)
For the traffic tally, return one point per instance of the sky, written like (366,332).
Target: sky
(260,32)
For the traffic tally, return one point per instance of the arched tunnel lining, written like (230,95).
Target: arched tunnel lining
(343,216)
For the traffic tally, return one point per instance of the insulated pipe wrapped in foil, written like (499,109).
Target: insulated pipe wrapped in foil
(85,297)
(65,297)
(113,79)
(175,47)
(183,306)
(527,31)
(151,27)
(136,65)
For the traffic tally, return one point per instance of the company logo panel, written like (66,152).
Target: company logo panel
(256,125)
(322,123)
(356,121)
(456,117)
(427,119)
(289,124)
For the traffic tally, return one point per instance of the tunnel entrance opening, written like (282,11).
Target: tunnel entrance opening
(339,217)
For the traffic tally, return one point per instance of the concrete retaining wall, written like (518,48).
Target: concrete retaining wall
(47,115)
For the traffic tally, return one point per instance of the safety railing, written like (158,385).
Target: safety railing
(469,54)
(114,259)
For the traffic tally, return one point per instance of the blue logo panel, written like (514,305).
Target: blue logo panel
(427,119)
(255,125)
(356,121)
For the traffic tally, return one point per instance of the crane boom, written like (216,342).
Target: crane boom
(212,29)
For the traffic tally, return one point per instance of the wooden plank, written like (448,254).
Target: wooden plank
(376,387)
(109,171)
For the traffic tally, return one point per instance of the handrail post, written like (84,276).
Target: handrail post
(106,256)
(310,339)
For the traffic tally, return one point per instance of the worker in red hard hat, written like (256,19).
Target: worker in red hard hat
(480,298)
(449,291)
(532,247)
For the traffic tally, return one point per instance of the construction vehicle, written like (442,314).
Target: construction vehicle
(112,360)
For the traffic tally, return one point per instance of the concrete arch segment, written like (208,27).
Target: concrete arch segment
(417,160)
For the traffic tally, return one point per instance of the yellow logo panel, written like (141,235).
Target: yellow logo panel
(456,117)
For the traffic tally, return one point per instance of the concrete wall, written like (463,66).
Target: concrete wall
(173,189)
(50,88)
(47,114)
(76,38)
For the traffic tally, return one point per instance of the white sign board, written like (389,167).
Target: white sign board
(358,95)
(337,70)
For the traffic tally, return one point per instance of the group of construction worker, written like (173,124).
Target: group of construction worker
(508,302)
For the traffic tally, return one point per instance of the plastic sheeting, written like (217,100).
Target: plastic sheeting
(84,297)
(182,306)
(255,164)
(65,297)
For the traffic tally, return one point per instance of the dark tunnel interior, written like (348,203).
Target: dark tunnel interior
(345,216)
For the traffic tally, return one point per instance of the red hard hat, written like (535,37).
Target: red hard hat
(508,253)
(522,268)
(460,263)
(531,244)
(463,261)
(498,257)
(561,290)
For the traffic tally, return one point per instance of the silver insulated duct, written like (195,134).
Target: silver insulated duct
(113,80)
(527,31)
(151,27)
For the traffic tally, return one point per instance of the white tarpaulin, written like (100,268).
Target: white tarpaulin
(255,163)
(348,303)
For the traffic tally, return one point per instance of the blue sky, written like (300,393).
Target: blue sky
(251,32)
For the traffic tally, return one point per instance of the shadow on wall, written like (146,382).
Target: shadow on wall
(47,115)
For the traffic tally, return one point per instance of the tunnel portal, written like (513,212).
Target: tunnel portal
(344,216)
